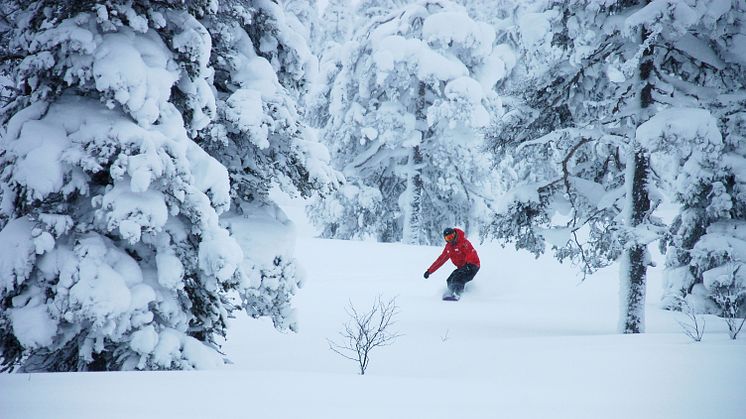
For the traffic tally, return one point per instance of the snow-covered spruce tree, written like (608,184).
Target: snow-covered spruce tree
(577,176)
(8,60)
(698,147)
(401,115)
(113,255)
(500,13)
(303,17)
(707,247)
(371,9)
(337,22)
(262,64)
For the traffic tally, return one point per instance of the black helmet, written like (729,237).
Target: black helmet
(449,234)
(448,231)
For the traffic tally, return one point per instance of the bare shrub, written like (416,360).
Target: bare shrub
(364,332)
(694,326)
(731,299)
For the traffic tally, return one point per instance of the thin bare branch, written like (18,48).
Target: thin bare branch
(694,327)
(365,331)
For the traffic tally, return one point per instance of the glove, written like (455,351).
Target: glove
(427,274)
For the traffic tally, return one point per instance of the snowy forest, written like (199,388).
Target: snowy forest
(143,144)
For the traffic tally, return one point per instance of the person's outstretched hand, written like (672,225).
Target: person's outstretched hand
(427,274)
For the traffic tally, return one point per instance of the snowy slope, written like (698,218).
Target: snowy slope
(526,341)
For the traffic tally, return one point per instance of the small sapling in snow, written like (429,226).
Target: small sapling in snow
(694,326)
(365,331)
(732,299)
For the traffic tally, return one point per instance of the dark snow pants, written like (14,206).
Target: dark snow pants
(460,277)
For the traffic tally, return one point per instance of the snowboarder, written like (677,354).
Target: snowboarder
(463,255)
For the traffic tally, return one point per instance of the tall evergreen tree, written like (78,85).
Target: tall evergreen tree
(122,250)
(116,258)
(303,16)
(401,115)
(499,13)
(262,67)
(370,9)
(697,147)
(338,20)
(577,175)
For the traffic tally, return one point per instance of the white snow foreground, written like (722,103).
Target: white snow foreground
(526,341)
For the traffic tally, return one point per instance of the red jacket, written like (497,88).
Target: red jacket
(460,251)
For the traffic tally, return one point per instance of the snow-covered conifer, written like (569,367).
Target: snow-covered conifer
(576,172)
(371,9)
(338,20)
(114,256)
(499,13)
(561,157)
(262,65)
(303,16)
(8,60)
(699,155)
(401,114)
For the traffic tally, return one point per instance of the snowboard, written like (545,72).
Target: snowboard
(451,296)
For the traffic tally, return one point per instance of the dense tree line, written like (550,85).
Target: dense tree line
(139,147)
(141,140)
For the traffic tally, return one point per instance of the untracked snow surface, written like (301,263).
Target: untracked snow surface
(527,340)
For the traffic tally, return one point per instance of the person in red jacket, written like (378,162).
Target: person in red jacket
(463,255)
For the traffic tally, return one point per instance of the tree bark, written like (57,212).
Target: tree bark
(413,233)
(636,259)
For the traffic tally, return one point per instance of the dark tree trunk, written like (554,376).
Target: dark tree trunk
(416,218)
(633,285)
(413,225)
(633,320)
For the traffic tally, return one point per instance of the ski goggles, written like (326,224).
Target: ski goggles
(450,237)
